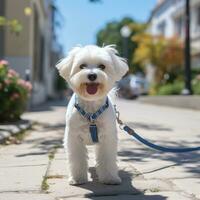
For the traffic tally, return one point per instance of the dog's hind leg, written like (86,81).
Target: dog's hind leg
(77,161)
(106,158)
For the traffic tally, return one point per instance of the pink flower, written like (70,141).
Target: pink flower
(12,73)
(4,62)
(25,84)
(7,81)
(21,82)
(28,86)
(198,77)
(14,96)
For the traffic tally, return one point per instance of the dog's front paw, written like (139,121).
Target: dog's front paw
(79,181)
(111,180)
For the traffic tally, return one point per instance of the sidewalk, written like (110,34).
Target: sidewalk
(36,169)
(8,130)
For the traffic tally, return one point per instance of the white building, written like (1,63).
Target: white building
(167,18)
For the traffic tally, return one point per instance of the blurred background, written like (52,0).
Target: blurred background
(159,38)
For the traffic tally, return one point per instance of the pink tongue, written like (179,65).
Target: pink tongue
(92,88)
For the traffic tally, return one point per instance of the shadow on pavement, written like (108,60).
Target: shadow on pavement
(126,188)
(154,127)
(189,161)
(51,127)
(42,145)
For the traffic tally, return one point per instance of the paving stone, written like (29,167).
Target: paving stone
(25,196)
(9,129)
(27,178)
(185,182)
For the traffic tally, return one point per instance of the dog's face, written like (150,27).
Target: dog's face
(92,71)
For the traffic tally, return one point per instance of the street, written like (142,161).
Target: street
(36,168)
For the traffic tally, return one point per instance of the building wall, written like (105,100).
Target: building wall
(168,19)
(169,12)
(162,22)
(43,78)
(30,50)
(15,9)
(2,13)
(16,46)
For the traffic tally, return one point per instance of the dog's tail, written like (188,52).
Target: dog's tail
(113,95)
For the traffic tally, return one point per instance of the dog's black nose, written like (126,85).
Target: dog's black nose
(92,76)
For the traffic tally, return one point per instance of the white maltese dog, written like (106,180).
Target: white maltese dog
(91,72)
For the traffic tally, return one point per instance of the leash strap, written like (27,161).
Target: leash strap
(92,117)
(131,132)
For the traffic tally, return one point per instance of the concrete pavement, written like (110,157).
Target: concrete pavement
(36,169)
(8,130)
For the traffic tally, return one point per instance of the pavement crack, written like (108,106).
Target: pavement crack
(22,166)
(20,191)
(44,184)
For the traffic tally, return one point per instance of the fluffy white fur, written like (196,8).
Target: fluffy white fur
(77,134)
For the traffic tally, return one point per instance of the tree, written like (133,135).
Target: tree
(110,34)
(14,25)
(166,55)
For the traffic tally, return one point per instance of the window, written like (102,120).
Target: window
(161,28)
(38,57)
(198,16)
(179,26)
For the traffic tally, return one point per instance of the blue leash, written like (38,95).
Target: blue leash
(157,147)
(131,132)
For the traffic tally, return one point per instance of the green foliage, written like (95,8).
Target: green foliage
(165,54)
(14,93)
(110,34)
(171,88)
(196,85)
(14,25)
(60,83)
(195,72)
(175,88)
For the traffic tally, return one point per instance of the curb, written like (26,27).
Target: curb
(187,102)
(11,129)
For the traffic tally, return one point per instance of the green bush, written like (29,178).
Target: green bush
(171,88)
(60,83)
(175,88)
(14,93)
(196,86)
(195,72)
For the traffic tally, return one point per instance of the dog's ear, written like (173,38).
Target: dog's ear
(120,63)
(64,66)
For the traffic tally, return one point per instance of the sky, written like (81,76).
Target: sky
(80,20)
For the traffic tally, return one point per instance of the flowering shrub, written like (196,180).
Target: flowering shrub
(14,93)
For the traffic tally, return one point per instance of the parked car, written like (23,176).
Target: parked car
(132,86)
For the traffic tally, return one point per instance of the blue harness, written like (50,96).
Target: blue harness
(92,117)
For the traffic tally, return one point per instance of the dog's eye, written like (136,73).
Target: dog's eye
(82,66)
(101,67)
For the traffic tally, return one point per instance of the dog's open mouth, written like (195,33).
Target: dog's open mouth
(92,88)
